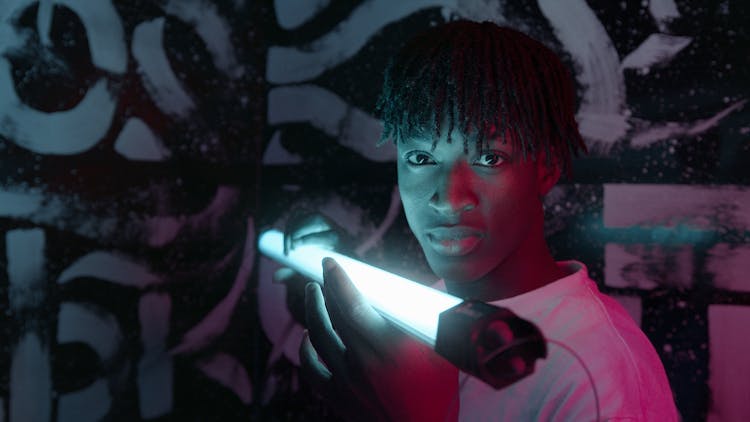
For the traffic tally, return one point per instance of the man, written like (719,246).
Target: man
(483,121)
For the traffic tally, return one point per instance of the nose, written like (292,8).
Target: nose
(454,193)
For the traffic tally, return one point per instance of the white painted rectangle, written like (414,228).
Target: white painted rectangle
(729,366)
(648,266)
(730,266)
(699,206)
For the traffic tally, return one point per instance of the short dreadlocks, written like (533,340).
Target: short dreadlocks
(487,80)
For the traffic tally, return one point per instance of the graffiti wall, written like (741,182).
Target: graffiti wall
(658,210)
(129,133)
(145,143)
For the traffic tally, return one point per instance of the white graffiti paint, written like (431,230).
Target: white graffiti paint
(153,66)
(296,64)
(30,381)
(601,115)
(290,14)
(729,266)
(326,111)
(728,344)
(663,12)
(648,266)
(230,373)
(138,142)
(101,332)
(84,125)
(276,154)
(155,368)
(30,370)
(213,30)
(657,49)
(111,267)
(216,322)
(650,133)
(700,207)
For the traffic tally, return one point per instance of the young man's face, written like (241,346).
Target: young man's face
(472,212)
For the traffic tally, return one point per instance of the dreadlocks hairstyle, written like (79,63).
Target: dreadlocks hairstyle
(484,80)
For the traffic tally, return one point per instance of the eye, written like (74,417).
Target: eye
(490,159)
(419,158)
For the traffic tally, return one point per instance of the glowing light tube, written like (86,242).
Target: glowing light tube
(413,307)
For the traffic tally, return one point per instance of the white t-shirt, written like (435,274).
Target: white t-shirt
(629,377)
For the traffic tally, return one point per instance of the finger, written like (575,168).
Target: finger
(356,321)
(322,336)
(312,368)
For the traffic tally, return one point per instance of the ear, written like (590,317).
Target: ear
(547,174)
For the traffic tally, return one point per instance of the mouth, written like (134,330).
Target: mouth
(453,240)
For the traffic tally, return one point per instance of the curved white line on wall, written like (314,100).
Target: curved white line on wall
(276,154)
(158,78)
(652,133)
(328,112)
(656,49)
(213,30)
(291,14)
(104,33)
(296,64)
(110,267)
(98,330)
(84,125)
(138,142)
(44,16)
(229,372)
(602,115)
(217,320)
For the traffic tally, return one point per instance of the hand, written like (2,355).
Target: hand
(305,228)
(366,367)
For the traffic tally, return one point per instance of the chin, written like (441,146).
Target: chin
(457,272)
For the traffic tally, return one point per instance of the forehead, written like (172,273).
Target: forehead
(459,140)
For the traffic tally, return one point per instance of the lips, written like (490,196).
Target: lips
(453,240)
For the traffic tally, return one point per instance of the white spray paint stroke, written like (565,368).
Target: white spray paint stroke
(158,78)
(104,32)
(701,207)
(77,323)
(663,11)
(164,229)
(229,372)
(155,369)
(727,360)
(90,404)
(24,251)
(644,266)
(656,49)
(326,111)
(44,16)
(216,322)
(651,134)
(602,115)
(276,154)
(16,204)
(30,381)
(297,64)
(729,265)
(101,332)
(138,142)
(291,14)
(111,267)
(213,30)
(84,125)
